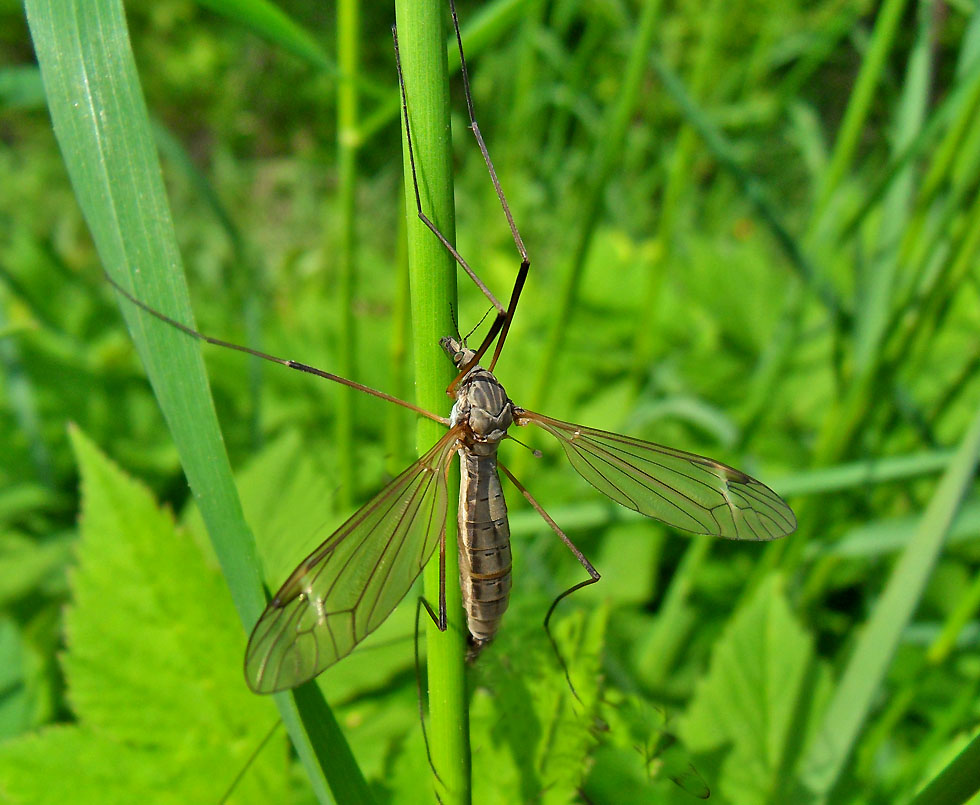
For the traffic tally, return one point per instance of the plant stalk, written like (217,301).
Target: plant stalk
(347,143)
(432,273)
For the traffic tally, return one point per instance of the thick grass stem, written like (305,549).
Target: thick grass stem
(422,37)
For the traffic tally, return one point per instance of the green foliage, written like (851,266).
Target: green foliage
(534,731)
(641,759)
(152,668)
(101,122)
(754,237)
(759,699)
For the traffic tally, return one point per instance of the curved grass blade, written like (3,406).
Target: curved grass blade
(683,490)
(102,125)
(347,587)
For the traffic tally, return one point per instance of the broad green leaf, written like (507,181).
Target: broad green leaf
(153,667)
(640,759)
(536,737)
(753,705)
(34,769)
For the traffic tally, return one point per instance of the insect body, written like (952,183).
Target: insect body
(346,588)
(485,412)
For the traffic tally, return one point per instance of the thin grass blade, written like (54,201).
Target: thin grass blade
(103,129)
(862,678)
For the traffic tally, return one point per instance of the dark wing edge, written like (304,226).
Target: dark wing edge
(347,587)
(681,489)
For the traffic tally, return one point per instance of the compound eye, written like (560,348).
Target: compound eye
(458,357)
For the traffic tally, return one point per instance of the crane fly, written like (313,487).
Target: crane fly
(349,585)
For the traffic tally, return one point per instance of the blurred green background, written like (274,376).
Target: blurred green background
(764,249)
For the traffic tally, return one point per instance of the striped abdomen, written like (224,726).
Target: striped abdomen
(484,546)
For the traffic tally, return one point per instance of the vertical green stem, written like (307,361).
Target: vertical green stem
(432,272)
(397,444)
(347,143)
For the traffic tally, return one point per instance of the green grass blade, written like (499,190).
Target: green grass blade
(873,307)
(103,129)
(100,121)
(848,710)
(606,152)
(958,782)
(751,188)
(859,106)
(432,272)
(273,24)
(348,46)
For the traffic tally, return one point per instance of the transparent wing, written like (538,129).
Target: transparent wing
(681,489)
(344,590)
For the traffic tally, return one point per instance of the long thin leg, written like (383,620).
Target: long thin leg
(518,241)
(440,619)
(249,762)
(501,324)
(440,622)
(578,555)
(302,367)
(475,128)
(418,683)
(418,198)
(514,298)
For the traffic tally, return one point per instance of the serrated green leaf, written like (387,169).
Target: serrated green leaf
(529,734)
(153,667)
(33,770)
(641,755)
(751,703)
(102,125)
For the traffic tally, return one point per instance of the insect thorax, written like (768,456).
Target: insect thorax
(483,405)
(481,402)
